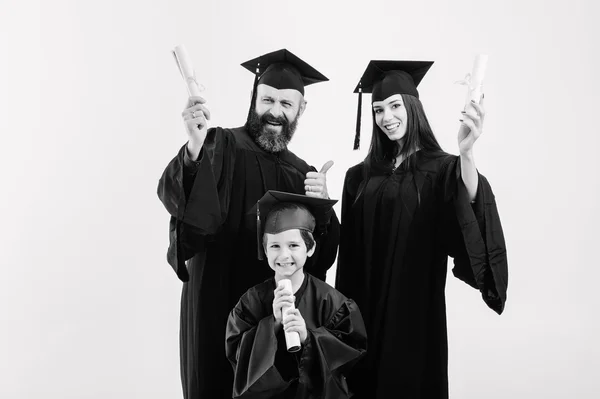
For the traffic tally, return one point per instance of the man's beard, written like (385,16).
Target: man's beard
(264,135)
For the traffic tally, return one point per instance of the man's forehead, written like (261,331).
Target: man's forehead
(282,94)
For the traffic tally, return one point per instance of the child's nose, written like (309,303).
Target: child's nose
(286,253)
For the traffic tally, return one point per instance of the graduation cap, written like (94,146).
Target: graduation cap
(283,70)
(273,218)
(385,78)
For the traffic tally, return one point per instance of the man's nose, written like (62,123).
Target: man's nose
(276,109)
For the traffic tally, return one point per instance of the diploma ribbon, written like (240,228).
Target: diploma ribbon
(192,79)
(467,82)
(473,90)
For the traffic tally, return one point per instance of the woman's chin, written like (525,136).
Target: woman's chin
(396,135)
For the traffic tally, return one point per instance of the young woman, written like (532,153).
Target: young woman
(405,209)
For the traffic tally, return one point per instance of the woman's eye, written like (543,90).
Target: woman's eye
(377,111)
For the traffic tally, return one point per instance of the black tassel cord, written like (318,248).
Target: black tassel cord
(358,119)
(258,231)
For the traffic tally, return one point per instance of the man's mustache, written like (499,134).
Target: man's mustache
(270,118)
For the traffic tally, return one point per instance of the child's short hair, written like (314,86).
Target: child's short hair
(306,235)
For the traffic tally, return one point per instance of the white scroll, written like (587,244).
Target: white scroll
(474,80)
(292,339)
(187,70)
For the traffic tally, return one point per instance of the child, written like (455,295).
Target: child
(330,326)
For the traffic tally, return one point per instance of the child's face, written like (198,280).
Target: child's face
(286,252)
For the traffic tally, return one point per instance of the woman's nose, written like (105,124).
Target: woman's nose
(387,115)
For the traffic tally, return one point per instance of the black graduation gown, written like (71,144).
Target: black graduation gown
(263,368)
(395,241)
(210,228)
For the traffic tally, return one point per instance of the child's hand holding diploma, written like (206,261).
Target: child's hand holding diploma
(293,322)
(283,299)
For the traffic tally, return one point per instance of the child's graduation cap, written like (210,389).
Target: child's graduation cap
(283,70)
(273,218)
(386,78)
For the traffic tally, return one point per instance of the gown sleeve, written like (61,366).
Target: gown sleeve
(251,348)
(197,195)
(473,235)
(326,252)
(331,350)
(346,273)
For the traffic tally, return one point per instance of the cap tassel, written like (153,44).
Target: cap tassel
(252,102)
(358,119)
(258,230)
(256,75)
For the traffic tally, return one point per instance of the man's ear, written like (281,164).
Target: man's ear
(302,107)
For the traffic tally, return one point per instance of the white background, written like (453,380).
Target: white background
(90,115)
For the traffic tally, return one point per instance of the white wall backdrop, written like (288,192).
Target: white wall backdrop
(90,115)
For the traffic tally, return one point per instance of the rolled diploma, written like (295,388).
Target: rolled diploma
(475,85)
(187,69)
(292,339)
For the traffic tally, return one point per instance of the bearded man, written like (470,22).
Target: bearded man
(210,188)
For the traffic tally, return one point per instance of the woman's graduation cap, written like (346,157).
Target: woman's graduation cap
(283,70)
(273,218)
(386,78)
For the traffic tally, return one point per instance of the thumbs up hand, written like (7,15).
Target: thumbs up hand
(316,182)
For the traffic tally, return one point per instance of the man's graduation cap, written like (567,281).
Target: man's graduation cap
(386,78)
(273,218)
(283,70)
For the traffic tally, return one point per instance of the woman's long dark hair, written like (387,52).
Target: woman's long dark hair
(418,136)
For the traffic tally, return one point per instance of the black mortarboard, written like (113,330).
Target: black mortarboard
(283,70)
(386,78)
(273,219)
